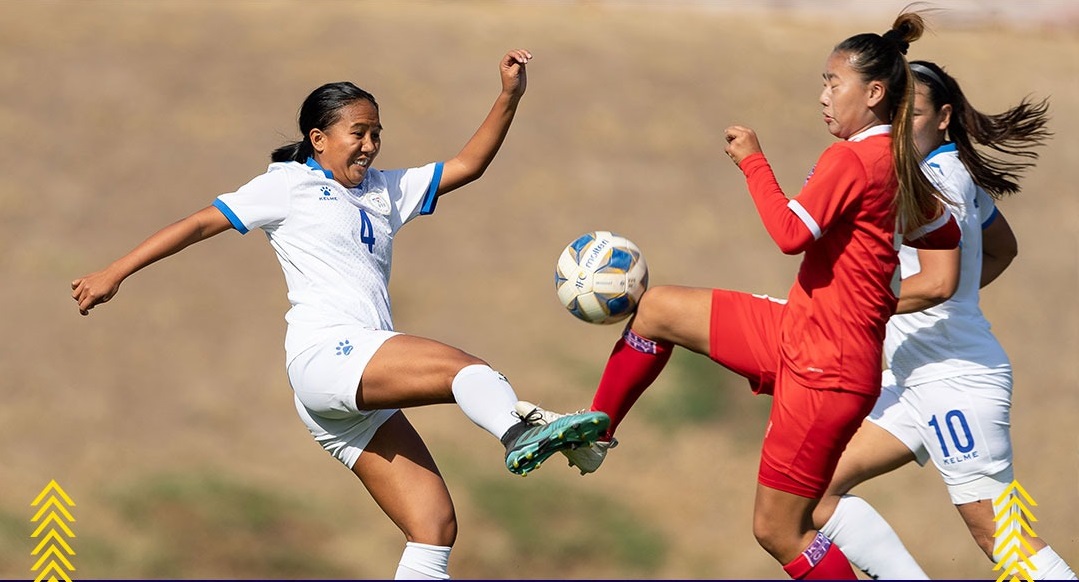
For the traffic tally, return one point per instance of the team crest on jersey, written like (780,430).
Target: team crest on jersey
(377,201)
(810,175)
(372,194)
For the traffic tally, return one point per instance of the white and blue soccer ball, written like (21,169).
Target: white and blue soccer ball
(600,277)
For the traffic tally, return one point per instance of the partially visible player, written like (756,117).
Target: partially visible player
(331,219)
(947,395)
(819,351)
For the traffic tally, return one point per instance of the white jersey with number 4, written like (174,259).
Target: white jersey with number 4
(335,244)
(952,338)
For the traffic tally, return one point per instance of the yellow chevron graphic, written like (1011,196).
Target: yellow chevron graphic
(1013,518)
(52,518)
(53,486)
(56,554)
(50,538)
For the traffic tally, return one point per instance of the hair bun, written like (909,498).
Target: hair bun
(896,37)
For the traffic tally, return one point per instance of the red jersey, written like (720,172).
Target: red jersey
(844,220)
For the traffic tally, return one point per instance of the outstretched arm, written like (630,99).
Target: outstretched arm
(473,159)
(90,290)
(999,247)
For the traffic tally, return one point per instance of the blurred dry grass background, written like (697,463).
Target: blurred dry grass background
(167,415)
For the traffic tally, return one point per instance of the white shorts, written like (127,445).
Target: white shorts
(961,423)
(325,378)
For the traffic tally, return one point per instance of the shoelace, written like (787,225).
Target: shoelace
(533,416)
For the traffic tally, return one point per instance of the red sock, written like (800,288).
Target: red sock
(634,364)
(822,560)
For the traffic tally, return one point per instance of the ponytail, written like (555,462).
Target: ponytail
(1013,132)
(297,151)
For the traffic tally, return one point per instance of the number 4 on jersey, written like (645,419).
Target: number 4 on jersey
(367,231)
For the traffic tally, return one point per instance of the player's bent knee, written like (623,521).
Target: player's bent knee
(465,360)
(436,530)
(772,538)
(657,307)
(650,302)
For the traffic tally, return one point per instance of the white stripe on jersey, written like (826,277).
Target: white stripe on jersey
(803,214)
(770,298)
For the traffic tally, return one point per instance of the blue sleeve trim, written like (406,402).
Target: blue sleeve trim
(992,218)
(229,214)
(431,198)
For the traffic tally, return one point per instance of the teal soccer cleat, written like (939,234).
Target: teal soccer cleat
(586,458)
(527,446)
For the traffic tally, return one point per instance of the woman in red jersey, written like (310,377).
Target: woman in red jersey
(819,351)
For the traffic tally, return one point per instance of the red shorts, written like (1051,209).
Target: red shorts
(808,427)
(744,336)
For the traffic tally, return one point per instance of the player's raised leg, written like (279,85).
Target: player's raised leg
(667,316)
(413,371)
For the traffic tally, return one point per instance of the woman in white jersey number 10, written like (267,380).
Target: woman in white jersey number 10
(330,218)
(947,393)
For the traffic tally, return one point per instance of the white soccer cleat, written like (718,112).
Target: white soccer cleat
(586,459)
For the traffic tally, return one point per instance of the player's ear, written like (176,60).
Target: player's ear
(318,140)
(875,92)
(945,117)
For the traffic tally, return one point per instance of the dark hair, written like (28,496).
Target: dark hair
(882,57)
(1012,133)
(319,111)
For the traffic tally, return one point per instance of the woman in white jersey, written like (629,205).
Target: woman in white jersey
(947,393)
(331,218)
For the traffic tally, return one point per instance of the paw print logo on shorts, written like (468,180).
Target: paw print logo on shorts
(344,348)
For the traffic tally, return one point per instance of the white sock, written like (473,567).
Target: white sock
(1049,566)
(485,397)
(423,562)
(869,542)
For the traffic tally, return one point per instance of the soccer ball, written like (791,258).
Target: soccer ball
(600,277)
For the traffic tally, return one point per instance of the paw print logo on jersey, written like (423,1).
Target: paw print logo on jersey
(344,348)
(327,194)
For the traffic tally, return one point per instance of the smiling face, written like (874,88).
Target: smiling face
(349,146)
(930,123)
(847,101)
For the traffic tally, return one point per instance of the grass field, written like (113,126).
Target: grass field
(167,415)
